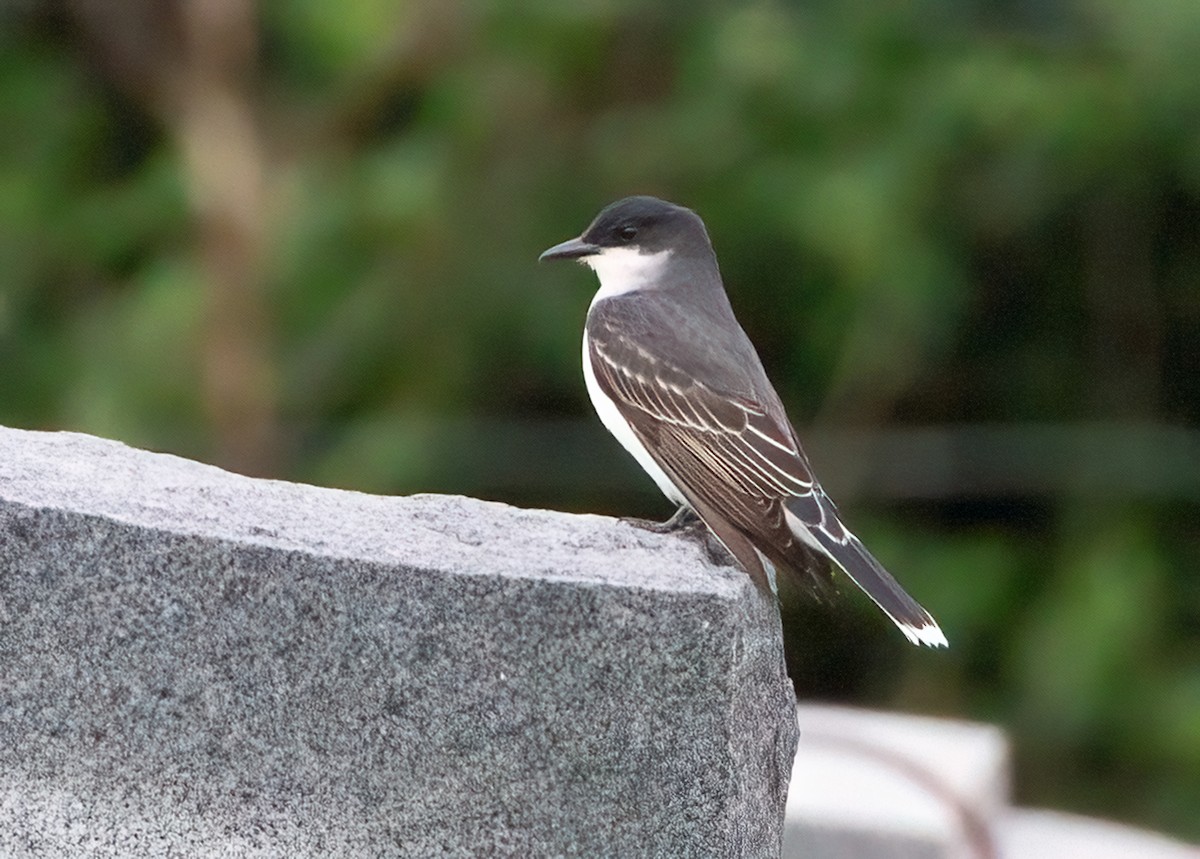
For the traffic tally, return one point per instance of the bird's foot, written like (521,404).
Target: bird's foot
(690,526)
(684,518)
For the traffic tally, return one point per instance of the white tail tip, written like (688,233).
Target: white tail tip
(930,634)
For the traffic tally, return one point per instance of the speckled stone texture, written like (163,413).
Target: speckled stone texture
(194,663)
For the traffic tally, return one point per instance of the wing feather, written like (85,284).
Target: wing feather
(698,436)
(706,422)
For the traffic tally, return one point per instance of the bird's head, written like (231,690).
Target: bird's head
(630,240)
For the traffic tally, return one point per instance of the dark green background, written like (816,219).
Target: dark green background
(299,240)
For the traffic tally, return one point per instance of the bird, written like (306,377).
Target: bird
(674,377)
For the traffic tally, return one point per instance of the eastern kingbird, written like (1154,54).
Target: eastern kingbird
(673,376)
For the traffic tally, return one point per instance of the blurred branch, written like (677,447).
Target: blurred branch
(1100,461)
(512,458)
(216,129)
(191,63)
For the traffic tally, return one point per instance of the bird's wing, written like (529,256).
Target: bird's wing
(736,459)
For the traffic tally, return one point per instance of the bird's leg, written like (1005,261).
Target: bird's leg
(684,518)
(686,523)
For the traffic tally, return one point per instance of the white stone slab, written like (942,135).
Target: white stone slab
(1038,834)
(871,784)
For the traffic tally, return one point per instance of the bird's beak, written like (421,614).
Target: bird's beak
(570,249)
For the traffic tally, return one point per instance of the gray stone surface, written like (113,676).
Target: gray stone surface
(194,663)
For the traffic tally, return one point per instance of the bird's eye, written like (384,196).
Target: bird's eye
(627,232)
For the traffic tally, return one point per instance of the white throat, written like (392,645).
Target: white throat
(623,270)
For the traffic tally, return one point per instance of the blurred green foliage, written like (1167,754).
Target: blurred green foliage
(301,242)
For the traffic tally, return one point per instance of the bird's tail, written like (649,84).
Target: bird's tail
(814,522)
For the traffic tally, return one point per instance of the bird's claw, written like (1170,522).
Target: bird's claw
(688,525)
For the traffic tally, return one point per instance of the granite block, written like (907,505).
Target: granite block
(195,663)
